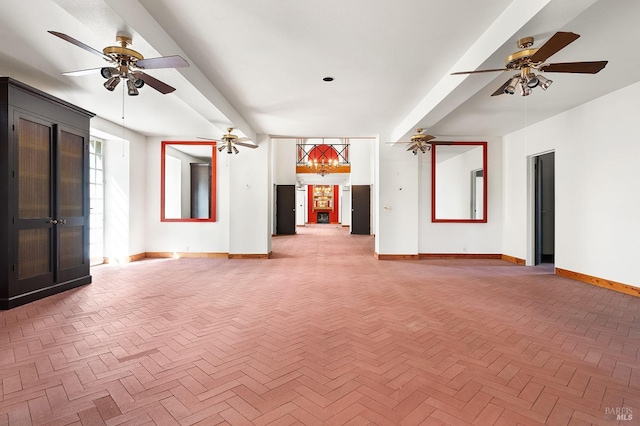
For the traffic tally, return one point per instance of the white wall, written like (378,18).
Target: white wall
(596,187)
(249,222)
(476,238)
(124,189)
(116,200)
(361,159)
(284,161)
(201,237)
(396,198)
(138,192)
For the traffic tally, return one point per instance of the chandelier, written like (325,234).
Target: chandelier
(324,166)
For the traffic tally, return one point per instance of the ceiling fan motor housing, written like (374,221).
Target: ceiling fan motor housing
(519,59)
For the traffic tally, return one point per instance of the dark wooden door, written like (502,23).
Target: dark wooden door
(361,209)
(72,158)
(35,213)
(285,209)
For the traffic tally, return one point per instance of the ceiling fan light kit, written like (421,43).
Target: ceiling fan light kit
(528,59)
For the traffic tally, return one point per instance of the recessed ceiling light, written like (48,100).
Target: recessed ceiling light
(327,79)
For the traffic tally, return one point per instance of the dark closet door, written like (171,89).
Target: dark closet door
(285,209)
(34,215)
(361,209)
(72,173)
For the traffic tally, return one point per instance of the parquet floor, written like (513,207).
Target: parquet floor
(323,333)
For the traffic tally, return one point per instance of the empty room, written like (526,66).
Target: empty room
(301,212)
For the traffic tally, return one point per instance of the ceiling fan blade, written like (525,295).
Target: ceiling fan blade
(557,42)
(154,82)
(80,45)
(209,139)
(248,145)
(478,71)
(500,90)
(82,72)
(426,138)
(162,62)
(575,67)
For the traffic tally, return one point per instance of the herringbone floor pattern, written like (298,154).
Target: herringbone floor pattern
(322,334)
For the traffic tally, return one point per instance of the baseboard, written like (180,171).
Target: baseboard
(396,256)
(136,257)
(437,256)
(600,282)
(126,259)
(189,254)
(512,259)
(346,226)
(459,256)
(194,255)
(249,256)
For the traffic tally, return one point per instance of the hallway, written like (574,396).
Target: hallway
(323,333)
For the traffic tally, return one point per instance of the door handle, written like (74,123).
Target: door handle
(63,221)
(53,221)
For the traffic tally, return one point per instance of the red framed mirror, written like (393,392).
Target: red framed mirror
(459,182)
(188,182)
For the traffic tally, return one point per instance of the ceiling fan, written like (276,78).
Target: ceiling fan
(528,59)
(229,141)
(126,64)
(421,142)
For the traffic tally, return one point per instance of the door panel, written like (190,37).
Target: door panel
(361,209)
(285,209)
(35,210)
(73,222)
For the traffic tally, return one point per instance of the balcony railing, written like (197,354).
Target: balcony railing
(307,151)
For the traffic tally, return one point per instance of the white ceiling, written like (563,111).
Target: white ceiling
(258,65)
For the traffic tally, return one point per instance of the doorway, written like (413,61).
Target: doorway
(544,208)
(285,209)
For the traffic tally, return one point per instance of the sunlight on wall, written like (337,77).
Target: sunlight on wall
(118,223)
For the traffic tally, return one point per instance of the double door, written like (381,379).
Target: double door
(51,209)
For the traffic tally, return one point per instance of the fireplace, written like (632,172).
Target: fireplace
(323,217)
